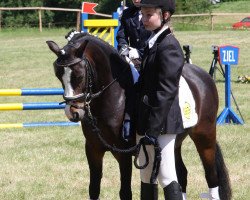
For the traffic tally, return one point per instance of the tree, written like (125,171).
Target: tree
(20,18)
(192,6)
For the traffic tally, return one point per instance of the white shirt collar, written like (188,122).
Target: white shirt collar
(153,37)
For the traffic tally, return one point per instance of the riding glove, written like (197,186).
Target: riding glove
(133,53)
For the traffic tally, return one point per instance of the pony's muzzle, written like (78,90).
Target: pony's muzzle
(74,114)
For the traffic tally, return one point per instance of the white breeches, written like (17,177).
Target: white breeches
(167,172)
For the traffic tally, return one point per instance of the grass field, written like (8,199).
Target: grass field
(232,7)
(219,22)
(50,163)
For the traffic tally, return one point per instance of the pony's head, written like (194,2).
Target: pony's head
(72,69)
(76,67)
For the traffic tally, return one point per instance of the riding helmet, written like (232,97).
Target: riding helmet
(165,5)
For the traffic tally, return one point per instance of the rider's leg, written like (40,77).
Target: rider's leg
(167,173)
(148,191)
(130,93)
(129,116)
(134,71)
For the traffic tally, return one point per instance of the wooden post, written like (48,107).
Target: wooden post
(212,22)
(0,20)
(78,28)
(40,20)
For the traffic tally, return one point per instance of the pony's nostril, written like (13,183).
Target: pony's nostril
(77,115)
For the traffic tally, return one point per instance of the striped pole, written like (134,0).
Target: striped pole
(38,124)
(31,106)
(31,92)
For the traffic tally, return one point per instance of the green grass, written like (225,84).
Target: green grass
(220,22)
(225,22)
(50,163)
(232,7)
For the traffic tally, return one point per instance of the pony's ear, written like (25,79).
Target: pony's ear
(53,47)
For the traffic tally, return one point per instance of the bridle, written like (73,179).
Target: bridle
(87,96)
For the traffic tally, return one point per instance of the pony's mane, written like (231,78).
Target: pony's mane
(115,64)
(82,35)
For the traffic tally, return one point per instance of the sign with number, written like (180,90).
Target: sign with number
(228,55)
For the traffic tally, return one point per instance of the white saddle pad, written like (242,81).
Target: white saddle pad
(187,104)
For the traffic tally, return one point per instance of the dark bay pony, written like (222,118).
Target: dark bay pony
(95,77)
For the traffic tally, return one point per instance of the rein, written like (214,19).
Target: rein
(135,149)
(87,97)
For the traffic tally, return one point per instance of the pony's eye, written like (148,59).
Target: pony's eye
(79,77)
(78,72)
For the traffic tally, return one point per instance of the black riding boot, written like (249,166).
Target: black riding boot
(173,191)
(149,191)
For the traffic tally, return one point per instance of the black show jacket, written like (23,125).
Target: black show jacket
(158,104)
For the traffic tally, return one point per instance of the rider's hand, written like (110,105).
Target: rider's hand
(124,51)
(149,140)
(133,53)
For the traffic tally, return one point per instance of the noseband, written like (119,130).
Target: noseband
(88,94)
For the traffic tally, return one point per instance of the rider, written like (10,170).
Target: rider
(131,38)
(131,32)
(159,116)
(121,9)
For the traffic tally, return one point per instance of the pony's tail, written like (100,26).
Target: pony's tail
(224,182)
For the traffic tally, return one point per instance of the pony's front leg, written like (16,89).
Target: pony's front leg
(125,166)
(95,161)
